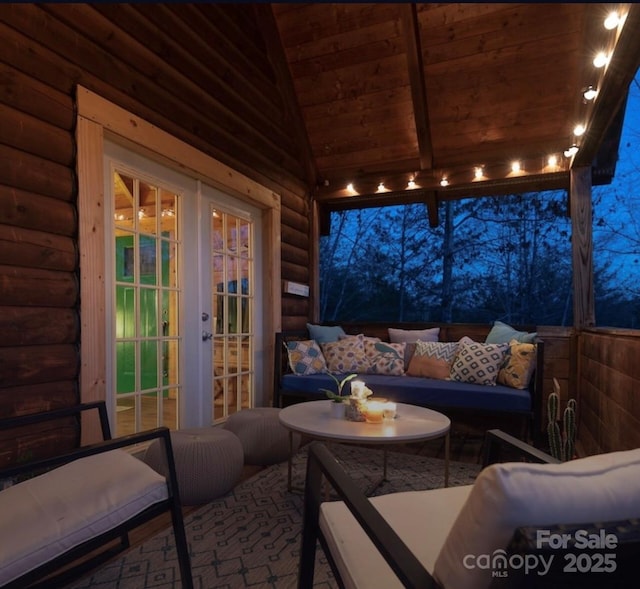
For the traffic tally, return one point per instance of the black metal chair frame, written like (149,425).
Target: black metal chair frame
(74,563)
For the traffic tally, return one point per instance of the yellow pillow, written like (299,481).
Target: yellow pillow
(518,366)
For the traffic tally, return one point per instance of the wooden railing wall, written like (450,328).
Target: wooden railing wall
(198,71)
(608,390)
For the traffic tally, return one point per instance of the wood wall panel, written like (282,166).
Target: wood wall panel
(608,386)
(210,86)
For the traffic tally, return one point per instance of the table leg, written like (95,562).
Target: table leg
(447,444)
(290,465)
(384,464)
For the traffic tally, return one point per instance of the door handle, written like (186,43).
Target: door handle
(206,336)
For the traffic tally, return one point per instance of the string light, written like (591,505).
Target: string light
(612,21)
(601,59)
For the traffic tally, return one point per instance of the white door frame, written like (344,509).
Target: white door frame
(98,117)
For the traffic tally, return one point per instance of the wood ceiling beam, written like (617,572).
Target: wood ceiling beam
(277,57)
(613,88)
(418,86)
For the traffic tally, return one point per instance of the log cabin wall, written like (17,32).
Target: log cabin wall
(608,390)
(200,72)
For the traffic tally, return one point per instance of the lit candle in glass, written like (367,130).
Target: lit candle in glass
(374,411)
(389,410)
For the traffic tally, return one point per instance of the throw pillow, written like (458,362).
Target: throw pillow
(599,488)
(518,366)
(477,363)
(346,355)
(397,336)
(325,333)
(385,358)
(305,357)
(432,359)
(501,333)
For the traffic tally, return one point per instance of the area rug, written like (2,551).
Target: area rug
(250,537)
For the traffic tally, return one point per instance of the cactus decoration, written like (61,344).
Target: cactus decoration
(561,443)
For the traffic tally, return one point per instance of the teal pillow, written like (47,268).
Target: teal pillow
(325,333)
(501,333)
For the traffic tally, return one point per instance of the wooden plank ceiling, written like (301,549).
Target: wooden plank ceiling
(390,93)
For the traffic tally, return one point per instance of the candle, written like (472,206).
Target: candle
(374,411)
(389,410)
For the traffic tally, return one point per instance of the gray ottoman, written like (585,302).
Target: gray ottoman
(209,462)
(264,439)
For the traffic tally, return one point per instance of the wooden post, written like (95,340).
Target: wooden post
(582,247)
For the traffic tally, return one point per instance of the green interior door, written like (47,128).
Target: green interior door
(149,295)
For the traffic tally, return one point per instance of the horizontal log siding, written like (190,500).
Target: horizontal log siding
(198,72)
(609,391)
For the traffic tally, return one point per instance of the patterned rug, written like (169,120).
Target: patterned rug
(250,537)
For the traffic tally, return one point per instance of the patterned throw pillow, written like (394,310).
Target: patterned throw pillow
(432,359)
(518,366)
(477,363)
(385,358)
(305,357)
(346,355)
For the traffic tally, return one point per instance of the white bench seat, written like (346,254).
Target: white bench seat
(44,517)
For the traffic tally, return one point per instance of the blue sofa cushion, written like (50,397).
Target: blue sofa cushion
(415,390)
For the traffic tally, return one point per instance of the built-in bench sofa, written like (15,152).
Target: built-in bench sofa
(520,408)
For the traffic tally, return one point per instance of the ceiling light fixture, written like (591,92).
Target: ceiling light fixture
(381,187)
(589,93)
(612,21)
(515,166)
(411,184)
(350,187)
(571,151)
(601,59)
(552,161)
(579,130)
(478,173)
(444,182)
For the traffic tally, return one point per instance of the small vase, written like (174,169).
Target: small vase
(337,410)
(355,409)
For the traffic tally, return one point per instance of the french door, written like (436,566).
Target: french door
(181,293)
(230,280)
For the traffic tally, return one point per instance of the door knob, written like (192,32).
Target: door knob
(206,336)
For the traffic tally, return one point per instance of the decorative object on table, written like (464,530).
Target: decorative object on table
(338,406)
(561,443)
(356,409)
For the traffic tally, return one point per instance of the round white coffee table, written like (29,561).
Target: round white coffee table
(411,424)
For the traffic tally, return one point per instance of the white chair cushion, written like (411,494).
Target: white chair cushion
(421,518)
(601,488)
(45,516)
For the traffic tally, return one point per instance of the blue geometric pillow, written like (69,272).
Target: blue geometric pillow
(478,363)
(305,357)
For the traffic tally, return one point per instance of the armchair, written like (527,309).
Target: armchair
(77,508)
(519,525)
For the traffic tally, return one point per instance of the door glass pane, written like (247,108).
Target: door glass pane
(146,304)
(232,305)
